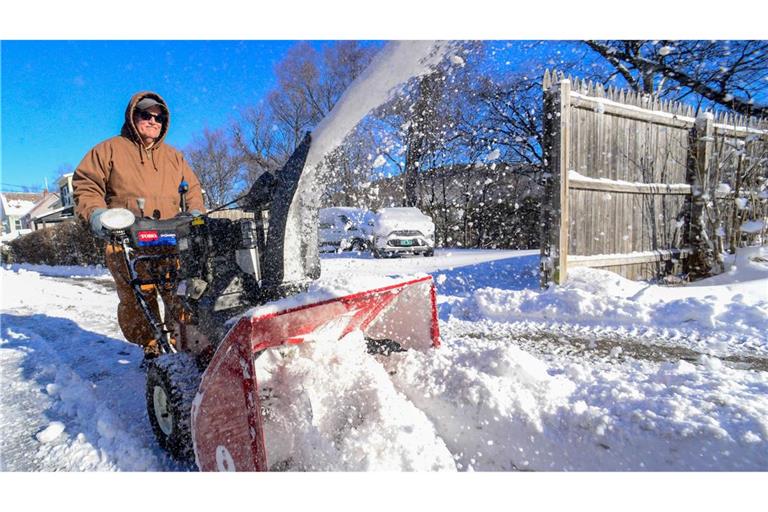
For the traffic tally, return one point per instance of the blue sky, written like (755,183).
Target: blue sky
(60,98)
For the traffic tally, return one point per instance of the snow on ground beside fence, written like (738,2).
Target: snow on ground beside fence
(488,399)
(734,304)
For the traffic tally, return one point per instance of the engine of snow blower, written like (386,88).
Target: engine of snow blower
(218,266)
(227,266)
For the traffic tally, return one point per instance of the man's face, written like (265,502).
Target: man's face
(148,128)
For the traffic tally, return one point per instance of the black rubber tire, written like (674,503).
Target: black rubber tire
(376,253)
(172,382)
(430,252)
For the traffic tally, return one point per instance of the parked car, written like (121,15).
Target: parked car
(398,231)
(344,228)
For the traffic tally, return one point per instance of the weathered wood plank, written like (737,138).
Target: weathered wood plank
(581,101)
(577,182)
(631,183)
(609,260)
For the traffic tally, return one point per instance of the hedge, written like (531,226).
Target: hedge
(68,243)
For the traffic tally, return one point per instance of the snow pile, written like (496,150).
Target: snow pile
(331,407)
(487,401)
(499,408)
(596,297)
(61,270)
(489,405)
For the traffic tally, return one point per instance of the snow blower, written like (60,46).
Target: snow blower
(202,393)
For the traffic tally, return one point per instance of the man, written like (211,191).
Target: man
(137,164)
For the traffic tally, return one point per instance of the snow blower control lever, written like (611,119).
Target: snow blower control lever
(183,189)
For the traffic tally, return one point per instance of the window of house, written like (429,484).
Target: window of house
(66,198)
(17,223)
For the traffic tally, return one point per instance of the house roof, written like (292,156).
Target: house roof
(56,215)
(45,205)
(18,203)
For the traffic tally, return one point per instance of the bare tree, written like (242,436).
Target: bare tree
(309,83)
(255,141)
(731,74)
(215,164)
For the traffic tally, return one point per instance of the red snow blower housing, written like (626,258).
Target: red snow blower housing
(202,393)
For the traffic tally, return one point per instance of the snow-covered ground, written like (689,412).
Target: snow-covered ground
(598,374)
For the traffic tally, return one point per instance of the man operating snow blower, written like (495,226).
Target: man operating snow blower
(236,288)
(138,171)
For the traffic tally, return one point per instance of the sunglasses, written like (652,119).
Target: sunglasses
(146,116)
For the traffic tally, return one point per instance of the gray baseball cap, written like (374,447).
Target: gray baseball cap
(146,103)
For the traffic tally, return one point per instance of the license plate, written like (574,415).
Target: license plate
(406,243)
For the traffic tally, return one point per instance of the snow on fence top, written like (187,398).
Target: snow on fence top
(651,102)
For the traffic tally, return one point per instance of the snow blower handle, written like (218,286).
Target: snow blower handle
(183,189)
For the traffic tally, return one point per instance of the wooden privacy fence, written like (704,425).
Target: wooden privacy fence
(644,187)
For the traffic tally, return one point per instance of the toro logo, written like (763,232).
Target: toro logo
(147,236)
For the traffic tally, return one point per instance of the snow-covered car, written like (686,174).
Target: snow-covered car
(344,228)
(398,231)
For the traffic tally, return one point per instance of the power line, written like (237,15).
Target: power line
(23,188)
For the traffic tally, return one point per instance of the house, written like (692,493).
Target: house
(49,203)
(13,207)
(52,212)
(24,212)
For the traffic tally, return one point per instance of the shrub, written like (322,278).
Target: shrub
(68,243)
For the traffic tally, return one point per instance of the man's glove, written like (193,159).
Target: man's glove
(96,227)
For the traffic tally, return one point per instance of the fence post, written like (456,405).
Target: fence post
(701,145)
(554,240)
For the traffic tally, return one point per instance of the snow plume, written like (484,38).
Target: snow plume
(394,65)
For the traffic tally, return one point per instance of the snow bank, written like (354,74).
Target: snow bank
(330,406)
(499,408)
(597,297)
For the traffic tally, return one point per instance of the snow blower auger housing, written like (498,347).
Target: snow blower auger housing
(222,268)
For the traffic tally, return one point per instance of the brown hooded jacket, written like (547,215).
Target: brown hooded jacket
(120,170)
